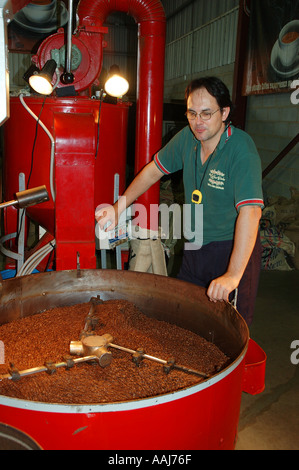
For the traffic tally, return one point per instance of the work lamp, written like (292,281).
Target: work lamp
(41,81)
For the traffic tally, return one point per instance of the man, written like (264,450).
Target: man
(221,171)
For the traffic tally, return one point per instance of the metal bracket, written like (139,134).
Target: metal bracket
(138,357)
(169,366)
(51,368)
(15,375)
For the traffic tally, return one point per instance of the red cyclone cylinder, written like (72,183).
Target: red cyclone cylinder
(150,16)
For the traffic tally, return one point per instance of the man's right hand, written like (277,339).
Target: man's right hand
(106,217)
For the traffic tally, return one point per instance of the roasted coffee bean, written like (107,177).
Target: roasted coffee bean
(31,341)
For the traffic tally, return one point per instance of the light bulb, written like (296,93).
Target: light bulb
(116,86)
(40,84)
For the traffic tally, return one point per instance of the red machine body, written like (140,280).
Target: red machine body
(201,417)
(81,180)
(210,424)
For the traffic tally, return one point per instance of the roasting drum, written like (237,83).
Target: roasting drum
(204,416)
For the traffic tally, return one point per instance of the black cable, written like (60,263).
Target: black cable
(34,141)
(32,155)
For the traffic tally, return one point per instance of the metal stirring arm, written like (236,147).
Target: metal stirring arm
(15,375)
(98,345)
(139,355)
(91,320)
(92,347)
(79,347)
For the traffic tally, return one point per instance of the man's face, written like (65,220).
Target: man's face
(200,101)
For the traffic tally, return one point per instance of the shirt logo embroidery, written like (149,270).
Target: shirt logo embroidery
(216,179)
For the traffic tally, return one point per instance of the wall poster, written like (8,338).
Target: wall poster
(272,62)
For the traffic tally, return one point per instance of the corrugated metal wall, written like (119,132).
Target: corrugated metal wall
(18,65)
(183,16)
(205,47)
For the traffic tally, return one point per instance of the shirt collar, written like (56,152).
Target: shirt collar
(228,132)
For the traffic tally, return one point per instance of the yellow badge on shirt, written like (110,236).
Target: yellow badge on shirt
(196,197)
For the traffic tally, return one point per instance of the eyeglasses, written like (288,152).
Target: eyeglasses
(204,115)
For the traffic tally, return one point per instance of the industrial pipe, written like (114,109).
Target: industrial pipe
(150,16)
(68,78)
(27,198)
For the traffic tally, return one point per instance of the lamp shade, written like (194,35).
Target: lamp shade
(41,82)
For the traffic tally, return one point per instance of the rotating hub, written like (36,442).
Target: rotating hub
(93,346)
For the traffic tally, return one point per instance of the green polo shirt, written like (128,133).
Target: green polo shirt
(229,179)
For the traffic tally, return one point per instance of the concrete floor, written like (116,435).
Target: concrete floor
(270,420)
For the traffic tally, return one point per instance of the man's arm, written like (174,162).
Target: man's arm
(246,230)
(148,176)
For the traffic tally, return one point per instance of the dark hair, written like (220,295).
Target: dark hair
(216,88)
